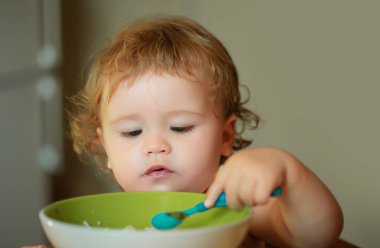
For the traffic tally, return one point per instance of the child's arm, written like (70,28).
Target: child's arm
(306,214)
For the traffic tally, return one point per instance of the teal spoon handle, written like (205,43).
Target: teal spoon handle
(221,202)
(276,192)
(200,207)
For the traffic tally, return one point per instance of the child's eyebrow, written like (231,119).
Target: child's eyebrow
(123,118)
(169,114)
(185,112)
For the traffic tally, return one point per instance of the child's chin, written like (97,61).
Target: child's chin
(163,187)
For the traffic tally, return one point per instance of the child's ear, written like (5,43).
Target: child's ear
(228,135)
(109,166)
(100,138)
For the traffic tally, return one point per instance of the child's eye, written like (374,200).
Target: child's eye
(182,129)
(131,134)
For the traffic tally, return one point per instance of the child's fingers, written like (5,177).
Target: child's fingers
(246,192)
(216,188)
(232,192)
(212,194)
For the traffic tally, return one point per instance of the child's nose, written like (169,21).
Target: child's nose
(156,146)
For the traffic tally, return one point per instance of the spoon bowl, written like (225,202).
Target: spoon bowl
(169,220)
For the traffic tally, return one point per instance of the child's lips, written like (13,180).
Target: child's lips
(158,171)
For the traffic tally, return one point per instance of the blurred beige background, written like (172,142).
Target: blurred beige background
(313,71)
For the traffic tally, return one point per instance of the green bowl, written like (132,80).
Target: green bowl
(124,220)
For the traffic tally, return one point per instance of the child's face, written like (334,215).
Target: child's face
(161,133)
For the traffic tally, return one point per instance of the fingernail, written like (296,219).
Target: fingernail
(207,203)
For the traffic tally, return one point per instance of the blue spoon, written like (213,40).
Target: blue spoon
(169,220)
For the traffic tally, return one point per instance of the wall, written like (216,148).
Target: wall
(312,70)
(30,115)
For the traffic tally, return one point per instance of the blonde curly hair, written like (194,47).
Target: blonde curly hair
(176,45)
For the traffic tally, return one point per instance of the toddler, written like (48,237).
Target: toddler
(162,111)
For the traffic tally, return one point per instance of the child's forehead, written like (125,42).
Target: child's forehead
(197,76)
(193,76)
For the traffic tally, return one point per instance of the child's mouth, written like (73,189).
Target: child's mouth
(157,171)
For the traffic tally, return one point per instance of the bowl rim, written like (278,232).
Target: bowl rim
(45,219)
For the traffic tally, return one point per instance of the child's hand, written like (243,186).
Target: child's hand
(249,177)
